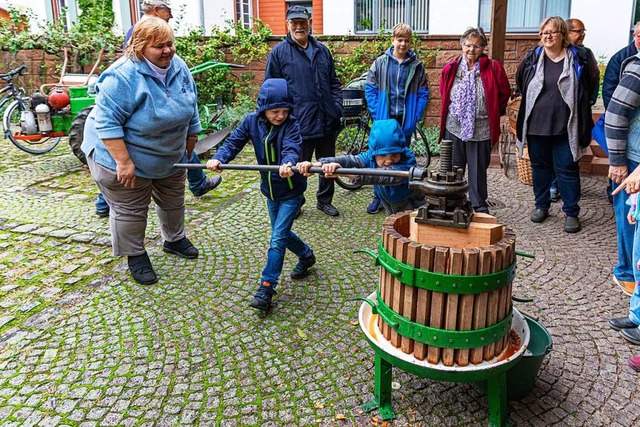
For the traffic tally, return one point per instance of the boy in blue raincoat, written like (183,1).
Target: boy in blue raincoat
(387,150)
(275,135)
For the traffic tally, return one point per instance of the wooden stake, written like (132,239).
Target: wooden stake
(437,302)
(423,309)
(410,305)
(465,311)
(451,308)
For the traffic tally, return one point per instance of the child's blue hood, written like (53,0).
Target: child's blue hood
(386,138)
(274,93)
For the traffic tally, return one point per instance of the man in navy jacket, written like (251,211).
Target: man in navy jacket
(308,67)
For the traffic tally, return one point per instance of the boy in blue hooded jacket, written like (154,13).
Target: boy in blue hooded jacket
(275,135)
(387,150)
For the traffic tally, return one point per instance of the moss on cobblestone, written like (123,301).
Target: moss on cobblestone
(99,349)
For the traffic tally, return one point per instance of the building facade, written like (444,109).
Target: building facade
(609,24)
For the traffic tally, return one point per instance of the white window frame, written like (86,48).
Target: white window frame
(246,19)
(544,10)
(401,11)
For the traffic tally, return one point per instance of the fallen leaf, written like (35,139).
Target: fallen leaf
(302,334)
(347,378)
(385,424)
(340,417)
(360,412)
(354,322)
(318,405)
(395,385)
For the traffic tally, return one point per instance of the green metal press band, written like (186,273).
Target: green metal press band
(441,337)
(447,283)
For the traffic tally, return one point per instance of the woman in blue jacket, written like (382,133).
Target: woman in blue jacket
(275,135)
(145,119)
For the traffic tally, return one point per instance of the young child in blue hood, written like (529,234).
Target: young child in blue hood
(387,150)
(275,135)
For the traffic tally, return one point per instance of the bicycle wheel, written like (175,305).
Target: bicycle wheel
(420,147)
(352,139)
(510,153)
(12,129)
(76,133)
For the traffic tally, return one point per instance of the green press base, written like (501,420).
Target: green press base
(496,380)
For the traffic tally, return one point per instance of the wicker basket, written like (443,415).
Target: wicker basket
(525,173)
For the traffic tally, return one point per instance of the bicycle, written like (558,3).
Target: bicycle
(353,139)
(18,117)
(506,151)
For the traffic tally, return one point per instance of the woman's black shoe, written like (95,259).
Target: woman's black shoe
(141,269)
(182,247)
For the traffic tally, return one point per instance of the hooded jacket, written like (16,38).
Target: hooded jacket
(386,137)
(411,84)
(273,145)
(313,83)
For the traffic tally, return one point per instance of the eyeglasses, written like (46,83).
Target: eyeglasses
(578,31)
(550,33)
(298,22)
(636,35)
(472,47)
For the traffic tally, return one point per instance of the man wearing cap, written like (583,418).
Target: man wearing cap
(308,67)
(159,8)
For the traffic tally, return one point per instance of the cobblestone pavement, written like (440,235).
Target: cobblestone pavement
(81,344)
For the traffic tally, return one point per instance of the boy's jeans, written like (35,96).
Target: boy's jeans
(282,213)
(625,269)
(196,177)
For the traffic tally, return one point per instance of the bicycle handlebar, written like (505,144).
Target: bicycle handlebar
(205,66)
(6,76)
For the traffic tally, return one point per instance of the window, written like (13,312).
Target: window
(372,15)
(525,15)
(243,13)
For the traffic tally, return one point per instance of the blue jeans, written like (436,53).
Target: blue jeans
(282,213)
(625,269)
(196,177)
(549,154)
(101,204)
(634,303)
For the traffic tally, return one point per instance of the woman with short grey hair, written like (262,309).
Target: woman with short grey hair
(475,91)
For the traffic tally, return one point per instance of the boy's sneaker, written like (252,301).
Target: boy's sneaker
(375,205)
(209,185)
(262,299)
(301,270)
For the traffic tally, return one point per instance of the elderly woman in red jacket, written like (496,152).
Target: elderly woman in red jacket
(475,91)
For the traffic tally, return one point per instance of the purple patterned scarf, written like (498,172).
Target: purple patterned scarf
(463,100)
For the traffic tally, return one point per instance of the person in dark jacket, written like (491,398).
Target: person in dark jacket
(554,118)
(275,135)
(308,67)
(612,72)
(475,91)
(387,150)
